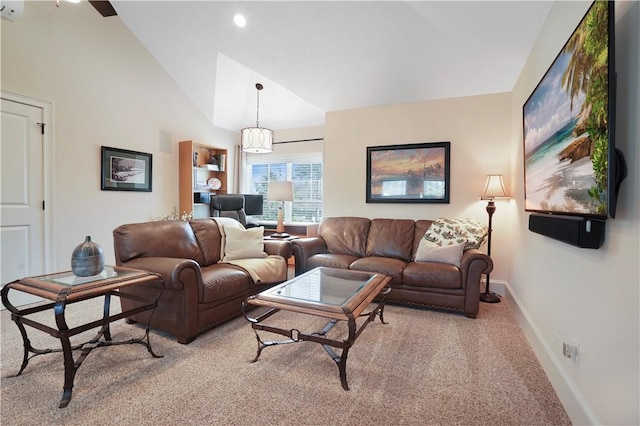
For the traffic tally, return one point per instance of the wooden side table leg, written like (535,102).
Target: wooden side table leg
(69,372)
(67,351)
(105,314)
(27,346)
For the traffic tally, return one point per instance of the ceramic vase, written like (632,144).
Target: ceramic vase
(87,259)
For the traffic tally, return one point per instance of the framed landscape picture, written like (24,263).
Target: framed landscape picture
(124,170)
(413,173)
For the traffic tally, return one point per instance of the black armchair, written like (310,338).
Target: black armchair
(230,205)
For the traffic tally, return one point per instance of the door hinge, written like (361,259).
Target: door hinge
(42,126)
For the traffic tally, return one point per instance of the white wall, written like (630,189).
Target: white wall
(587,296)
(106,89)
(478,128)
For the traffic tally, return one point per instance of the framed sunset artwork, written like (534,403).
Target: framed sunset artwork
(411,173)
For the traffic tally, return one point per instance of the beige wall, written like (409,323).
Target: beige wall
(478,128)
(106,89)
(590,297)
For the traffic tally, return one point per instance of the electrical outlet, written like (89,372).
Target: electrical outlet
(569,350)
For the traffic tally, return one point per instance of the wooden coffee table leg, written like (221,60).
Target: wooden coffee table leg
(342,368)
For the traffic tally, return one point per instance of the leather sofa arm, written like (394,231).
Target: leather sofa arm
(172,270)
(473,264)
(280,248)
(303,248)
(182,293)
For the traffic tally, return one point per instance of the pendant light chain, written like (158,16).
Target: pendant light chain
(259,87)
(258,108)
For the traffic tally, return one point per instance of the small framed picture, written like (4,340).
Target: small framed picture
(125,170)
(414,173)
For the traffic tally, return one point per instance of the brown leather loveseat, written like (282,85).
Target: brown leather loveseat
(389,246)
(199,292)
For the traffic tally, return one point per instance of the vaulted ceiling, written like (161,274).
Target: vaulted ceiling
(318,56)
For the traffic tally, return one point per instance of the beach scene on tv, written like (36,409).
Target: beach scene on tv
(565,125)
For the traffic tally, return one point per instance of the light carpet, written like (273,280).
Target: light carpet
(423,367)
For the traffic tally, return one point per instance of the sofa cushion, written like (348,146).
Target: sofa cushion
(329,260)
(432,252)
(433,275)
(345,235)
(223,281)
(243,243)
(383,265)
(391,238)
(447,231)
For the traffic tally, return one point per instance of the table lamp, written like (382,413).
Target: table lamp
(280,191)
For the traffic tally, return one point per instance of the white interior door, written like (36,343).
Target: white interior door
(21,196)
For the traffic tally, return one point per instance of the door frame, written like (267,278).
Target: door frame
(48,176)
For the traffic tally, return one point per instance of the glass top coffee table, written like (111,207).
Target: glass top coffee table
(335,294)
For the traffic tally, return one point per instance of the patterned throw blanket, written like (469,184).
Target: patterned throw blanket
(263,268)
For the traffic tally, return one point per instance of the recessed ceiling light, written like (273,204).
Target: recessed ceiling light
(239,20)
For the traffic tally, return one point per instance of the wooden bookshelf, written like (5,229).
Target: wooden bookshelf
(194,189)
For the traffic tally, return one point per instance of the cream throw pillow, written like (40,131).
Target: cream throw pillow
(243,243)
(228,222)
(432,252)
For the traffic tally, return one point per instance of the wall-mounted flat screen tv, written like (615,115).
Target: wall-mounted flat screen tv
(571,165)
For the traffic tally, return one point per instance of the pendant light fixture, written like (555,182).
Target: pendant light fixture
(257,140)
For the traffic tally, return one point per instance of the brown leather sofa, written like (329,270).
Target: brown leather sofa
(388,246)
(199,292)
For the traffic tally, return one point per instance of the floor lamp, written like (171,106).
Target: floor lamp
(493,188)
(280,191)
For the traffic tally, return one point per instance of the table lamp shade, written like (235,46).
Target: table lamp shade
(280,191)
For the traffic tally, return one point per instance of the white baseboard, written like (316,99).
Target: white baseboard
(495,286)
(574,404)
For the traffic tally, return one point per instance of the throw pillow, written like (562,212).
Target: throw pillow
(228,222)
(243,243)
(432,252)
(446,231)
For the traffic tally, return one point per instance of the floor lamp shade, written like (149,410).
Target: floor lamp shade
(280,191)
(494,188)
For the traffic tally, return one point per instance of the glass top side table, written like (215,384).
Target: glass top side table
(65,288)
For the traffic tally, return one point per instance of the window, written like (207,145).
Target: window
(306,175)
